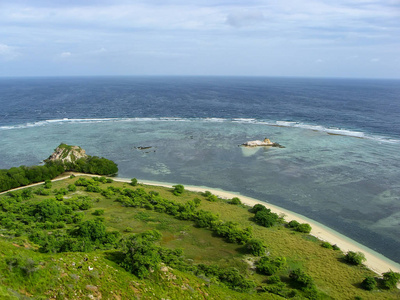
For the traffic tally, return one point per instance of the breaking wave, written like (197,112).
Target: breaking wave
(320,128)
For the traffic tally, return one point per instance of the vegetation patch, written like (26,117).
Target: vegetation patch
(93,236)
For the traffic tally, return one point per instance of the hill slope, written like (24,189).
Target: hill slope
(81,237)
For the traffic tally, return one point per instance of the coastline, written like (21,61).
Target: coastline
(374,260)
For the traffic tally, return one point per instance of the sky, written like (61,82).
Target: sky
(310,38)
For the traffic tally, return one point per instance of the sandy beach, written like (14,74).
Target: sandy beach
(375,261)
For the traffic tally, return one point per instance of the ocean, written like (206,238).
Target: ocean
(340,165)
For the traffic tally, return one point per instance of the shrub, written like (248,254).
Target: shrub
(326,245)
(140,253)
(26,265)
(212,198)
(390,279)
(268,266)
(47,184)
(178,189)
(293,224)
(354,258)
(266,218)
(235,201)
(230,277)
(256,247)
(72,187)
(197,201)
(369,283)
(43,192)
(257,208)
(274,279)
(98,212)
(304,227)
(301,278)
(134,182)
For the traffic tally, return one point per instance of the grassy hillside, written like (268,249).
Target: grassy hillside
(35,229)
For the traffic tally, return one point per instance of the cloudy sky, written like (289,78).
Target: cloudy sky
(341,38)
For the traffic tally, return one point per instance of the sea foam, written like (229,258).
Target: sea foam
(291,124)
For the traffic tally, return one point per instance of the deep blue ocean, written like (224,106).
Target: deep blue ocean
(340,167)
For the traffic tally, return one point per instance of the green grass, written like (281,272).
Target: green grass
(66,275)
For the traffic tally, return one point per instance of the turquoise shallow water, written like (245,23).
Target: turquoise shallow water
(350,184)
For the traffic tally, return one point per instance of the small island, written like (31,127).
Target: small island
(265,143)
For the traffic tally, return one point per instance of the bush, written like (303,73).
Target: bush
(274,279)
(235,201)
(354,258)
(301,278)
(210,197)
(98,212)
(293,224)
(134,182)
(257,208)
(230,277)
(140,253)
(26,265)
(47,184)
(266,218)
(369,283)
(326,245)
(268,266)
(390,279)
(305,228)
(256,247)
(178,189)
(72,187)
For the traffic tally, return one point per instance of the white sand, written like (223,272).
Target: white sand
(375,261)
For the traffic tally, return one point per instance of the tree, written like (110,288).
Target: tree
(134,182)
(354,258)
(390,279)
(369,283)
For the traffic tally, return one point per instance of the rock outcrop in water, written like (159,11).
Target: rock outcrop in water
(67,154)
(265,143)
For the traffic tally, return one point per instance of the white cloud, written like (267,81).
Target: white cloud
(8,53)
(240,19)
(220,33)
(65,54)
